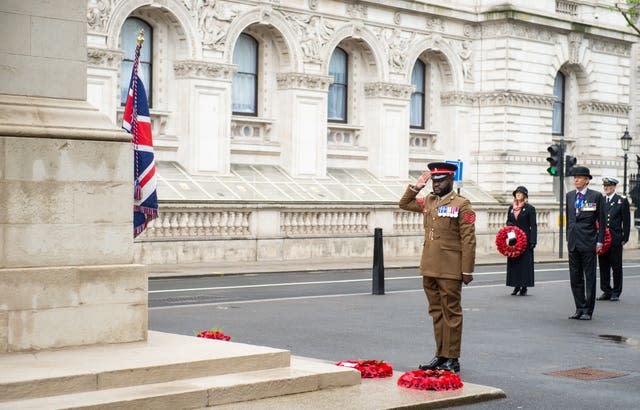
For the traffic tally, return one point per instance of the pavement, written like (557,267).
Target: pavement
(310,265)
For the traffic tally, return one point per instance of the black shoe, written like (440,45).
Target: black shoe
(523,291)
(451,365)
(614,298)
(585,316)
(605,296)
(576,315)
(435,362)
(515,291)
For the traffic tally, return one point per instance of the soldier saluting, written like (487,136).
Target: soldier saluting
(448,257)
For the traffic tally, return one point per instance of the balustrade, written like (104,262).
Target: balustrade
(324,222)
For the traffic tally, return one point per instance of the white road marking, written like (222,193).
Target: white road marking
(243,302)
(328,282)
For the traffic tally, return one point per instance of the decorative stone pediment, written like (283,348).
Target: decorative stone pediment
(388,90)
(104,58)
(303,81)
(203,69)
(604,108)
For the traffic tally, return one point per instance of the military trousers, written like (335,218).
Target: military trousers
(611,261)
(446,312)
(582,274)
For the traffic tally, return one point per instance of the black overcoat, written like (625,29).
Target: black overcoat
(520,269)
(618,219)
(582,234)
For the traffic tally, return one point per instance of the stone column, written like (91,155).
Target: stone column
(303,133)
(204,115)
(387,128)
(67,276)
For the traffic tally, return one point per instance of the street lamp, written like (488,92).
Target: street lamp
(625,141)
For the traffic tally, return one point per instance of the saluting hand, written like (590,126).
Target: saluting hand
(424,178)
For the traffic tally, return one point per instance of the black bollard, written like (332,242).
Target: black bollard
(378,263)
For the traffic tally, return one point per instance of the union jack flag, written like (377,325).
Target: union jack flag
(137,122)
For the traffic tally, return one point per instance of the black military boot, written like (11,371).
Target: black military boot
(452,365)
(435,362)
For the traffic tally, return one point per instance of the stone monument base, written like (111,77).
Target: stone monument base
(183,372)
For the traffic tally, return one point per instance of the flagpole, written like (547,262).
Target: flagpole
(137,191)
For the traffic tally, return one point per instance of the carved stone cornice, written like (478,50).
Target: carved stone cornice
(303,81)
(609,46)
(203,69)
(517,29)
(388,90)
(604,108)
(104,57)
(515,98)
(458,98)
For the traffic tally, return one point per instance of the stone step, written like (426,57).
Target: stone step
(162,358)
(304,375)
(373,394)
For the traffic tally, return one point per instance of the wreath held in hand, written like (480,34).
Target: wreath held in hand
(607,240)
(511,241)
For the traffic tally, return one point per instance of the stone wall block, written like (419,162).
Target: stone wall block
(75,10)
(67,160)
(58,39)
(14,32)
(47,244)
(42,76)
(63,327)
(25,289)
(4,331)
(113,284)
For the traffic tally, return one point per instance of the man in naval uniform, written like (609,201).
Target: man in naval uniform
(584,209)
(448,257)
(616,208)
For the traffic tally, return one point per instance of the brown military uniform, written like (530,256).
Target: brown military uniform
(449,250)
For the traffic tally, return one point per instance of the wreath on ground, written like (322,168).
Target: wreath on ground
(369,369)
(509,233)
(213,333)
(430,380)
(607,240)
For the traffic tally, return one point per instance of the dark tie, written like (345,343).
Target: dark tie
(608,199)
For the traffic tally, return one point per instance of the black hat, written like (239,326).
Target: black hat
(609,181)
(581,172)
(521,189)
(440,170)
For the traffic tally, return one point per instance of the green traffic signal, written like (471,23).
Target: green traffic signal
(554,159)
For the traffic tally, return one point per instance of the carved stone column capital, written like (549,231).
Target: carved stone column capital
(203,69)
(104,58)
(303,81)
(388,90)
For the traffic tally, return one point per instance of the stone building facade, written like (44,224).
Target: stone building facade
(308,90)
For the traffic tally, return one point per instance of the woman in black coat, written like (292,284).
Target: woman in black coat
(522,215)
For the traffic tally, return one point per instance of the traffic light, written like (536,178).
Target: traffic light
(569,163)
(554,159)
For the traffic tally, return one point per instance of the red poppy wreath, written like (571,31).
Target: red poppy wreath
(506,244)
(607,240)
(369,369)
(430,380)
(213,333)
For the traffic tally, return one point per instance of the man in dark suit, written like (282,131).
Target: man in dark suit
(584,209)
(616,209)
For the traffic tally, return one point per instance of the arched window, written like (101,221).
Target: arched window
(337,109)
(557,122)
(128,36)
(245,80)
(417,96)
